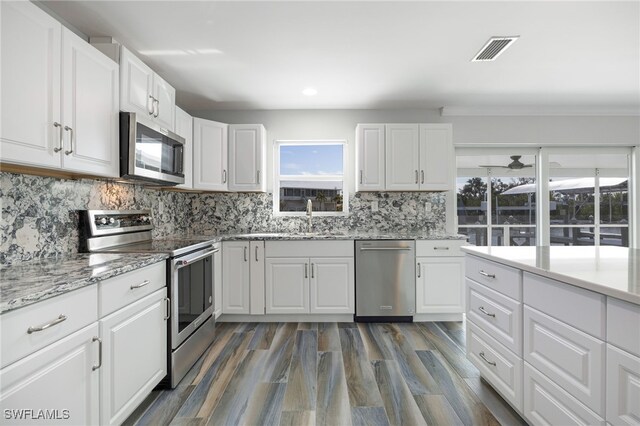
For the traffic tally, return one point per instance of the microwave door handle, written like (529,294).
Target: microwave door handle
(186,262)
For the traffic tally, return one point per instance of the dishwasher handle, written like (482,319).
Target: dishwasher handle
(386,248)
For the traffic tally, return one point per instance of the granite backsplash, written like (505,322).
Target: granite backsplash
(40,214)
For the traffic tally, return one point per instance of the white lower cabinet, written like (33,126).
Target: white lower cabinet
(243,277)
(623,387)
(57,384)
(546,403)
(287,286)
(134,341)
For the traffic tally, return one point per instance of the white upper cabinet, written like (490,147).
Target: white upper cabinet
(402,157)
(144,92)
(437,161)
(184,128)
(247,157)
(370,157)
(59,96)
(209,155)
(90,108)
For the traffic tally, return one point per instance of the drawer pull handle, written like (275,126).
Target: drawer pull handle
(99,340)
(47,325)
(142,284)
(419,269)
(168,302)
(486,360)
(484,311)
(485,274)
(441,248)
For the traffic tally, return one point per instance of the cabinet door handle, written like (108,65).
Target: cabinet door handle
(312,274)
(70,140)
(61,141)
(224,176)
(168,302)
(142,284)
(245,253)
(258,176)
(416,176)
(306,270)
(486,360)
(441,248)
(419,268)
(487,313)
(152,105)
(99,340)
(485,274)
(56,321)
(421,176)
(257,260)
(361,177)
(157,103)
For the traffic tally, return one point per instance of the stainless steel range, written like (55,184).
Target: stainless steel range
(190,272)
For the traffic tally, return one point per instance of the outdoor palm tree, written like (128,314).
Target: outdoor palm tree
(321,198)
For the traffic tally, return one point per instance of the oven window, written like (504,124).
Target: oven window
(195,283)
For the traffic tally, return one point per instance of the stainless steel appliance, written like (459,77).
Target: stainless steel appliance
(385,280)
(190,272)
(150,153)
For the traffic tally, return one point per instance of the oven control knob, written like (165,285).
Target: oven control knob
(103,221)
(112,221)
(144,219)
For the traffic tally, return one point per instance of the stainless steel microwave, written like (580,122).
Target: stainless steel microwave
(150,153)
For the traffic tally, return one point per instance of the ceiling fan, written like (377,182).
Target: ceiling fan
(516,164)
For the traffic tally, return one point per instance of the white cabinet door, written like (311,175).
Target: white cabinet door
(247,153)
(332,286)
(256,276)
(370,154)
(437,161)
(184,128)
(90,108)
(623,386)
(165,99)
(287,285)
(217,283)
(59,377)
(30,85)
(209,155)
(136,85)
(134,360)
(235,277)
(439,285)
(402,157)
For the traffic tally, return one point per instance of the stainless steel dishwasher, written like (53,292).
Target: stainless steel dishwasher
(385,280)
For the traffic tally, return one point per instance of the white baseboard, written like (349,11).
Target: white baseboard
(437,317)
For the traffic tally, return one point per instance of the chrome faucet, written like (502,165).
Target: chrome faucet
(309,214)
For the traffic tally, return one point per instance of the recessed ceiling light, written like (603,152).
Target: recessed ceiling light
(494,48)
(309,91)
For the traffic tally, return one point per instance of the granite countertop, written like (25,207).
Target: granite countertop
(612,271)
(30,282)
(352,235)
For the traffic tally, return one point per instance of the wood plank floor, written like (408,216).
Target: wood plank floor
(331,374)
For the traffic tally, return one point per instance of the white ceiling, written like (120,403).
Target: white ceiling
(373,55)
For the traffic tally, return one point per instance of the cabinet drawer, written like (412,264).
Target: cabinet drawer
(496,314)
(500,367)
(545,403)
(580,308)
(572,359)
(501,278)
(439,248)
(623,387)
(122,290)
(309,248)
(620,315)
(79,307)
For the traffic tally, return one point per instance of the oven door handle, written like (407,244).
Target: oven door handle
(179,264)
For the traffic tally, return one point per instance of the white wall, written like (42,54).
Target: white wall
(467,130)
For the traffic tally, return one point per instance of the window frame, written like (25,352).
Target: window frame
(277,178)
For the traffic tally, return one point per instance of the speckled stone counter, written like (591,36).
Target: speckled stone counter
(353,235)
(612,271)
(31,282)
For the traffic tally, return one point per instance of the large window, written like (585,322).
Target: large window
(588,196)
(310,170)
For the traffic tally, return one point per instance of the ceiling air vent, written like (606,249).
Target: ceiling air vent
(493,48)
